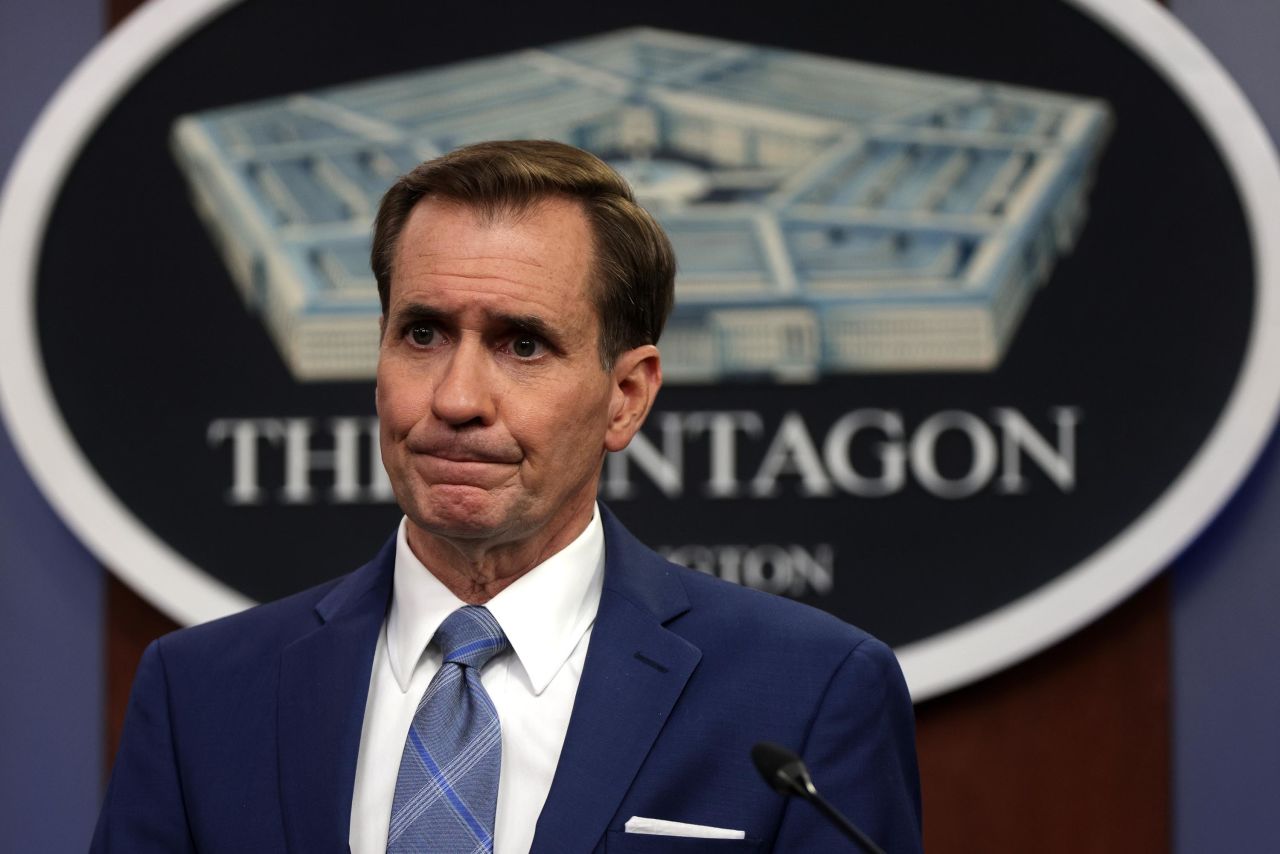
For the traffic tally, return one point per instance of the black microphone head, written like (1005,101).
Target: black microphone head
(781,769)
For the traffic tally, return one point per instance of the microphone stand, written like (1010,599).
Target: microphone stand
(787,774)
(824,807)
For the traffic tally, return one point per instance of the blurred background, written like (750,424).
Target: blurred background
(1149,730)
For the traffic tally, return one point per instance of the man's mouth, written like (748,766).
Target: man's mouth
(466,452)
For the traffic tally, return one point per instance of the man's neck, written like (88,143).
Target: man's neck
(477,570)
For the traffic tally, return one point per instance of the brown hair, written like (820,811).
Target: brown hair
(634,263)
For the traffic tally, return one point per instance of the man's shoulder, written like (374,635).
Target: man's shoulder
(263,626)
(256,633)
(744,612)
(751,643)
(724,612)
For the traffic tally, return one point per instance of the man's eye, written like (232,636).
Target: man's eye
(526,346)
(422,334)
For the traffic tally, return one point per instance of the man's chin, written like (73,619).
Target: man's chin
(461,512)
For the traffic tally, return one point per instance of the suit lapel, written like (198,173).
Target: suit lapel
(635,672)
(324,682)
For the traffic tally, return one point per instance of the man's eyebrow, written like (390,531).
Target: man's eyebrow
(530,323)
(417,311)
(412,313)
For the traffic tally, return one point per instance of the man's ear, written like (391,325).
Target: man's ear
(637,376)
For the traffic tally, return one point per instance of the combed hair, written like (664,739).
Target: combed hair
(634,265)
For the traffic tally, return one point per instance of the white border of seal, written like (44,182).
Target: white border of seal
(933,665)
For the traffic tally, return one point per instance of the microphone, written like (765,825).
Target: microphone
(786,773)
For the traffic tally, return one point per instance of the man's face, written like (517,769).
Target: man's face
(494,407)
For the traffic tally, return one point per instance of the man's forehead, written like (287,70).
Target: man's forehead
(550,243)
(483,298)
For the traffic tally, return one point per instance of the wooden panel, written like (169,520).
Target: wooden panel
(118,10)
(1067,752)
(131,624)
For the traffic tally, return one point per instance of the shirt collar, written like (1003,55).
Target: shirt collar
(544,613)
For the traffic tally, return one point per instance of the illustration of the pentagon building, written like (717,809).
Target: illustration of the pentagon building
(829,216)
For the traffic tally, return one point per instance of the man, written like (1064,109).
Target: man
(513,671)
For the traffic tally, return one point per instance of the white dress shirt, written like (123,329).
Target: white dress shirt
(547,616)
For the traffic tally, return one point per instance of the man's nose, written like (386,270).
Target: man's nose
(464,392)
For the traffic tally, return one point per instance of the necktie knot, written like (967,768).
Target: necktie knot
(470,636)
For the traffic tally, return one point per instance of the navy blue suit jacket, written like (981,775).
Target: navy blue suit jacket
(242,734)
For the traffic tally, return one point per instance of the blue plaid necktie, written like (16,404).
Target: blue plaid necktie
(447,790)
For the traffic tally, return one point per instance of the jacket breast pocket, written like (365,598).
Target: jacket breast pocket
(621,842)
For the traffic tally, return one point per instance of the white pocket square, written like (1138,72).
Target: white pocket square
(659,827)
